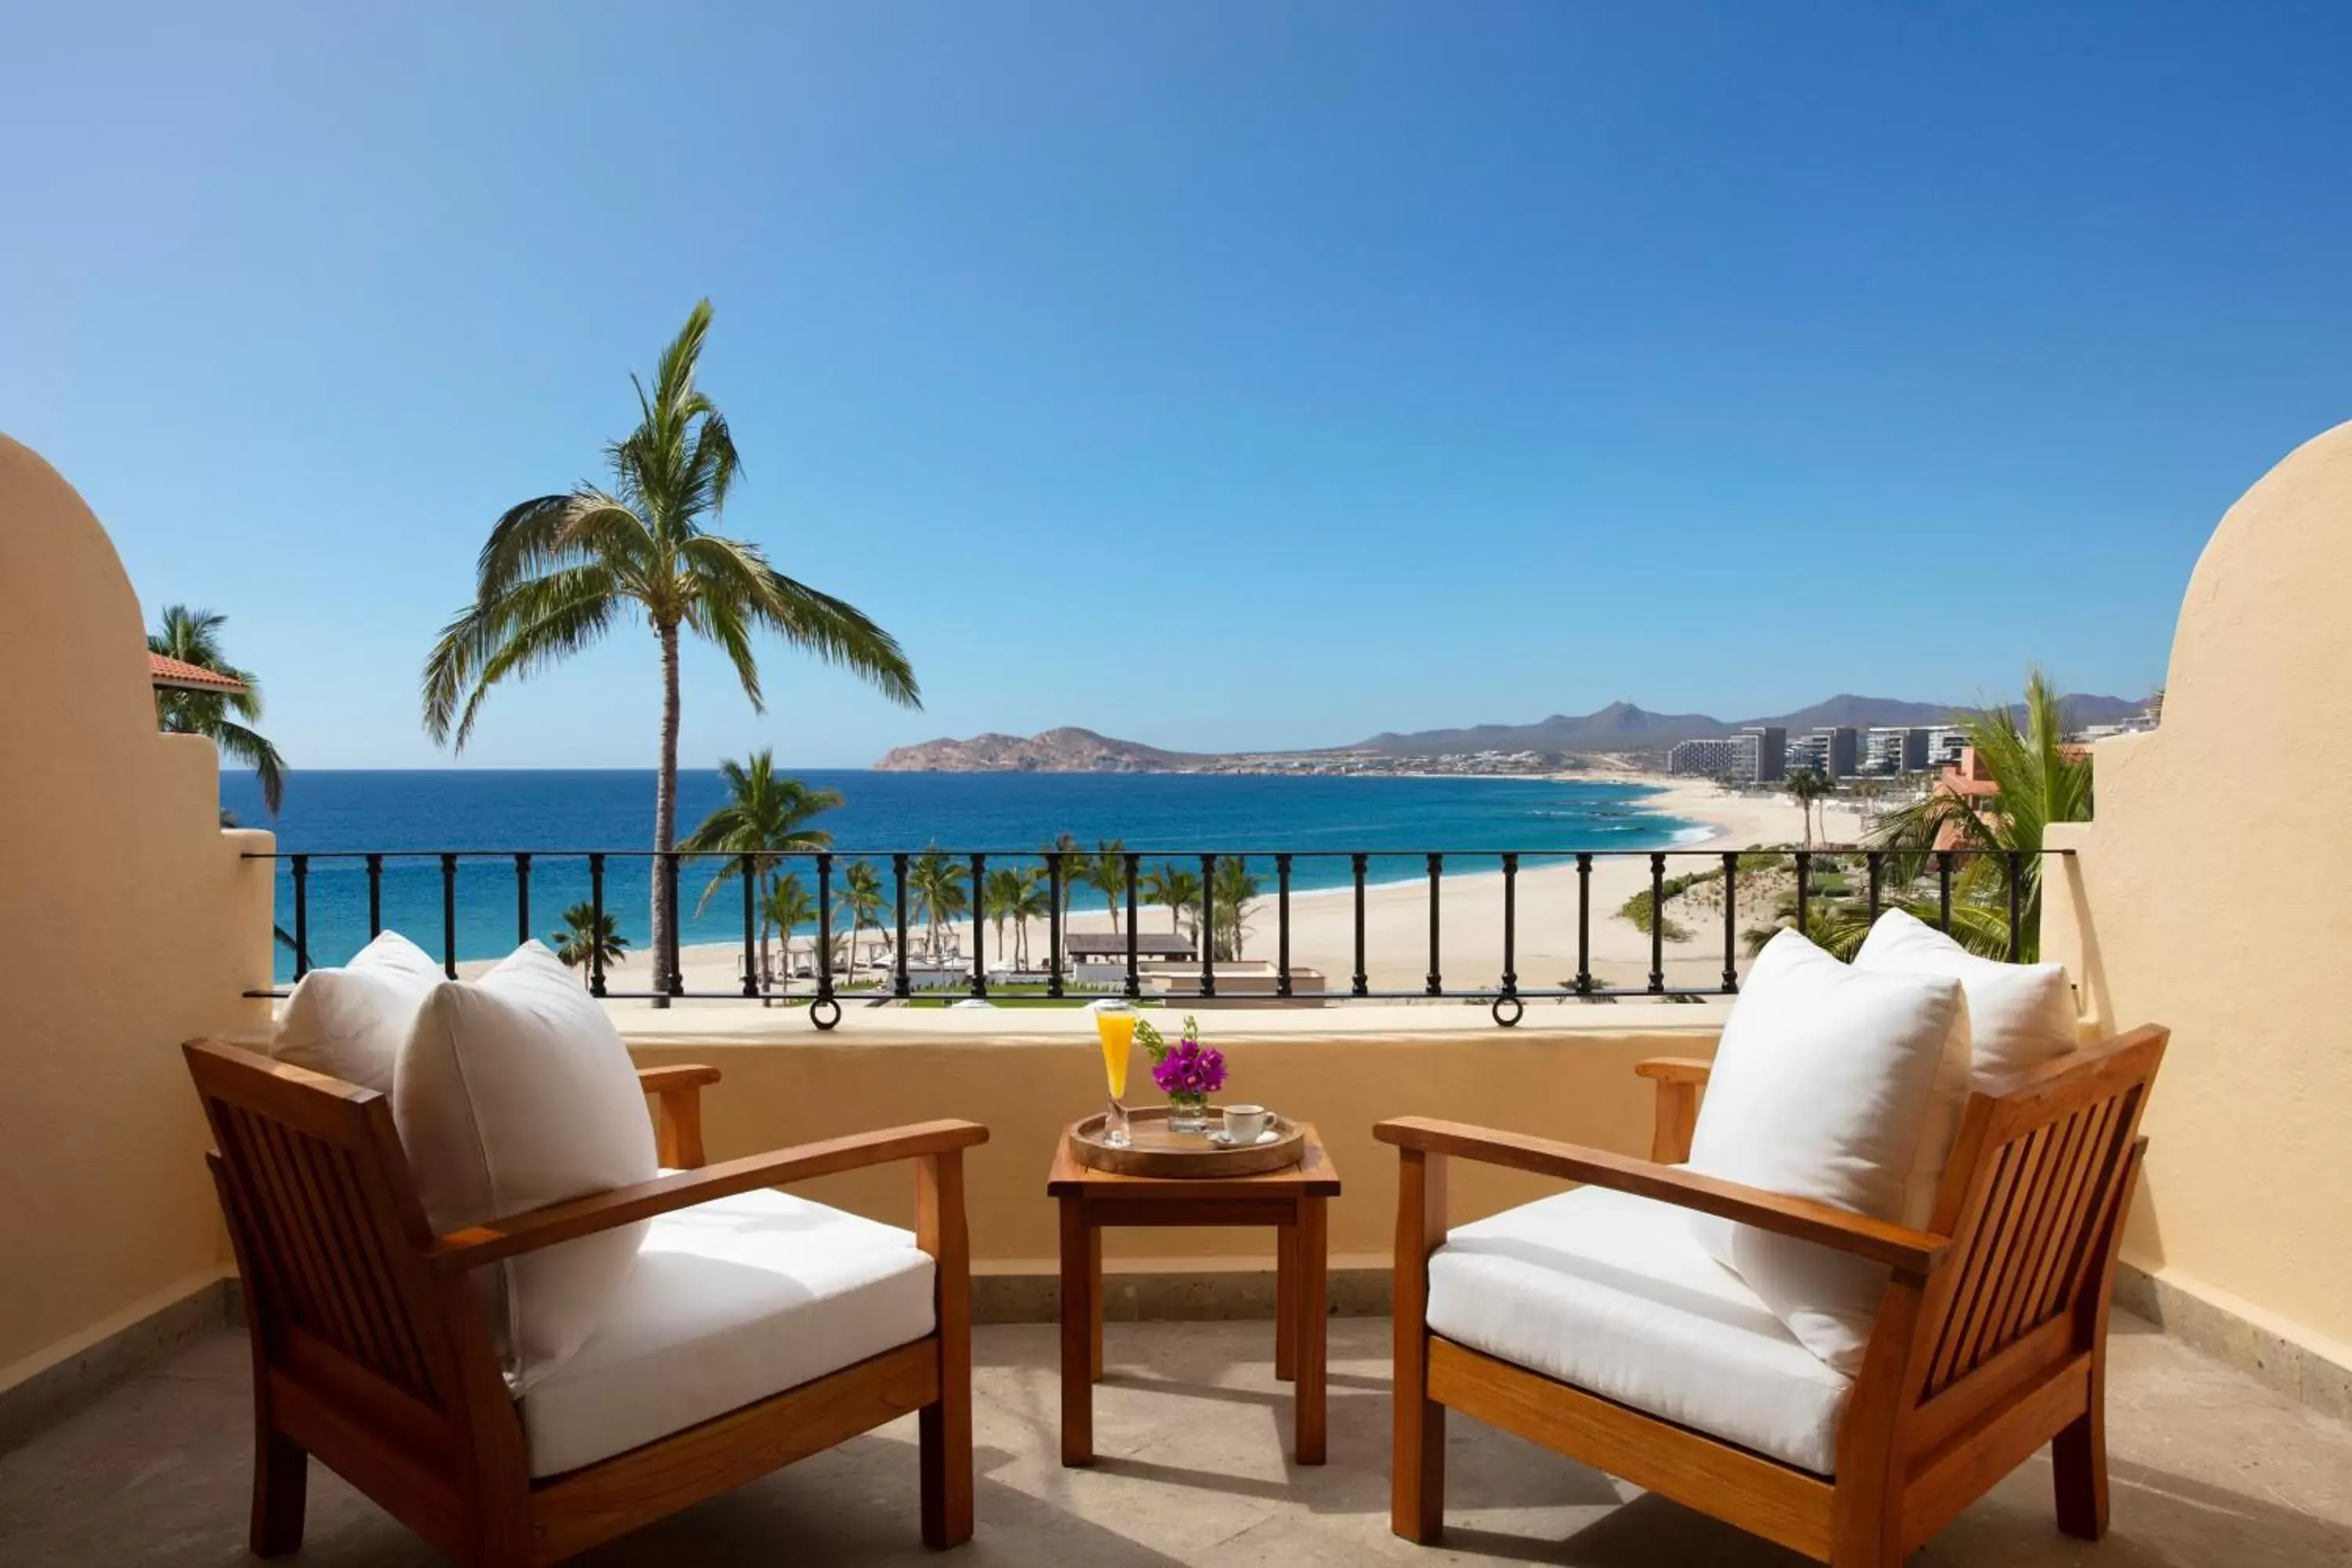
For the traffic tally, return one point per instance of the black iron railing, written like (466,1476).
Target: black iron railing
(1890,874)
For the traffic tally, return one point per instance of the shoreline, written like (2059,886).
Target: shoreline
(1396,913)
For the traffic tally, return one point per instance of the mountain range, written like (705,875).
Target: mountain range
(1620,727)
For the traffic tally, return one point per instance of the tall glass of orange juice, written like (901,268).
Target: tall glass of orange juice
(1114,1024)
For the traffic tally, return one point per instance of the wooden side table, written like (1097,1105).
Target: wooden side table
(1292,1201)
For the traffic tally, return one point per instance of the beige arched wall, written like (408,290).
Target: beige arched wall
(127,922)
(2213,893)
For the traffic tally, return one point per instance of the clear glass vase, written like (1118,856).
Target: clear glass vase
(1188,1113)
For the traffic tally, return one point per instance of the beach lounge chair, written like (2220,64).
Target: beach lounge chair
(1599,1324)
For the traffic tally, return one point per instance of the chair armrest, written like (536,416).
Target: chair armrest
(1675,1118)
(677,1093)
(1912,1252)
(497,1240)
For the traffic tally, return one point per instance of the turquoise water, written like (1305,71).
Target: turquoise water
(543,811)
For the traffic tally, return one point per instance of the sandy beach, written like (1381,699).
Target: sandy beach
(1396,915)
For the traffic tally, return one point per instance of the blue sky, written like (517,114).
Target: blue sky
(1214,375)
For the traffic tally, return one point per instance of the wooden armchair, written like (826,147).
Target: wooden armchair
(371,1352)
(1990,1341)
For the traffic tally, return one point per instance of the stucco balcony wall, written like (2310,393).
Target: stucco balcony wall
(1567,1073)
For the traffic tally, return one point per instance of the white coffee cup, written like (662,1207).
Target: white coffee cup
(1246,1123)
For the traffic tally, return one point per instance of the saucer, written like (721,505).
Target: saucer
(1217,1135)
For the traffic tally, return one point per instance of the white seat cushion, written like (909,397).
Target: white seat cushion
(1838,1085)
(350,1023)
(1614,1294)
(514,1092)
(730,1302)
(2020,1014)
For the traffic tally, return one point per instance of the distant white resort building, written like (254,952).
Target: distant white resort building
(1832,751)
(1896,748)
(1709,759)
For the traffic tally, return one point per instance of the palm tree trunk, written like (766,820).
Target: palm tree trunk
(666,821)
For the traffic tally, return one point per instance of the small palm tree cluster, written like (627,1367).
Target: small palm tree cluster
(2040,779)
(192,636)
(766,817)
(1177,889)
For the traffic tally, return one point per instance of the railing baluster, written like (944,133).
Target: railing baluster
(753,980)
(1208,925)
(449,915)
(899,984)
(1134,970)
(824,927)
(376,896)
(1436,985)
(596,934)
(1657,923)
(979,949)
(1510,925)
(301,915)
(2016,934)
(1804,893)
(1944,889)
(1730,923)
(1363,982)
(1282,925)
(1583,924)
(522,898)
(1053,920)
(1877,858)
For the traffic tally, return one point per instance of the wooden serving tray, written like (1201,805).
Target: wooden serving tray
(1157,1152)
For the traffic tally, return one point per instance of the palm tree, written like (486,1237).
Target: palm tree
(1000,898)
(560,570)
(1177,889)
(1235,888)
(585,939)
(861,889)
(2042,780)
(1077,867)
(1105,872)
(1035,902)
(937,883)
(192,636)
(766,815)
(1807,786)
(786,905)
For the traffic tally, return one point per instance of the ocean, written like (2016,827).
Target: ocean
(544,810)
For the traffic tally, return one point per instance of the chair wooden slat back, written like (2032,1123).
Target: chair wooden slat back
(329,1233)
(2040,1172)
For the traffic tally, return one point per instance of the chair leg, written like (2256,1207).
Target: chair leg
(280,1484)
(1417,1478)
(945,1433)
(2078,1471)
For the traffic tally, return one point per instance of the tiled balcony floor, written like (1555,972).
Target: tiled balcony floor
(2210,1469)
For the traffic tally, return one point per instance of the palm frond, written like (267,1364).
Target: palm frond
(255,752)
(840,634)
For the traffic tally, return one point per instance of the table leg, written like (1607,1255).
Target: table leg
(1307,1396)
(1077,1319)
(1095,1297)
(1285,1303)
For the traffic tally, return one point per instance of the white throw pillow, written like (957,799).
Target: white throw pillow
(1825,1086)
(2020,1014)
(515,1092)
(350,1023)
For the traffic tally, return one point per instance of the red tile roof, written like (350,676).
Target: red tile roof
(187,676)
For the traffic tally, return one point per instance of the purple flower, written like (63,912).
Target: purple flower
(1190,1068)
